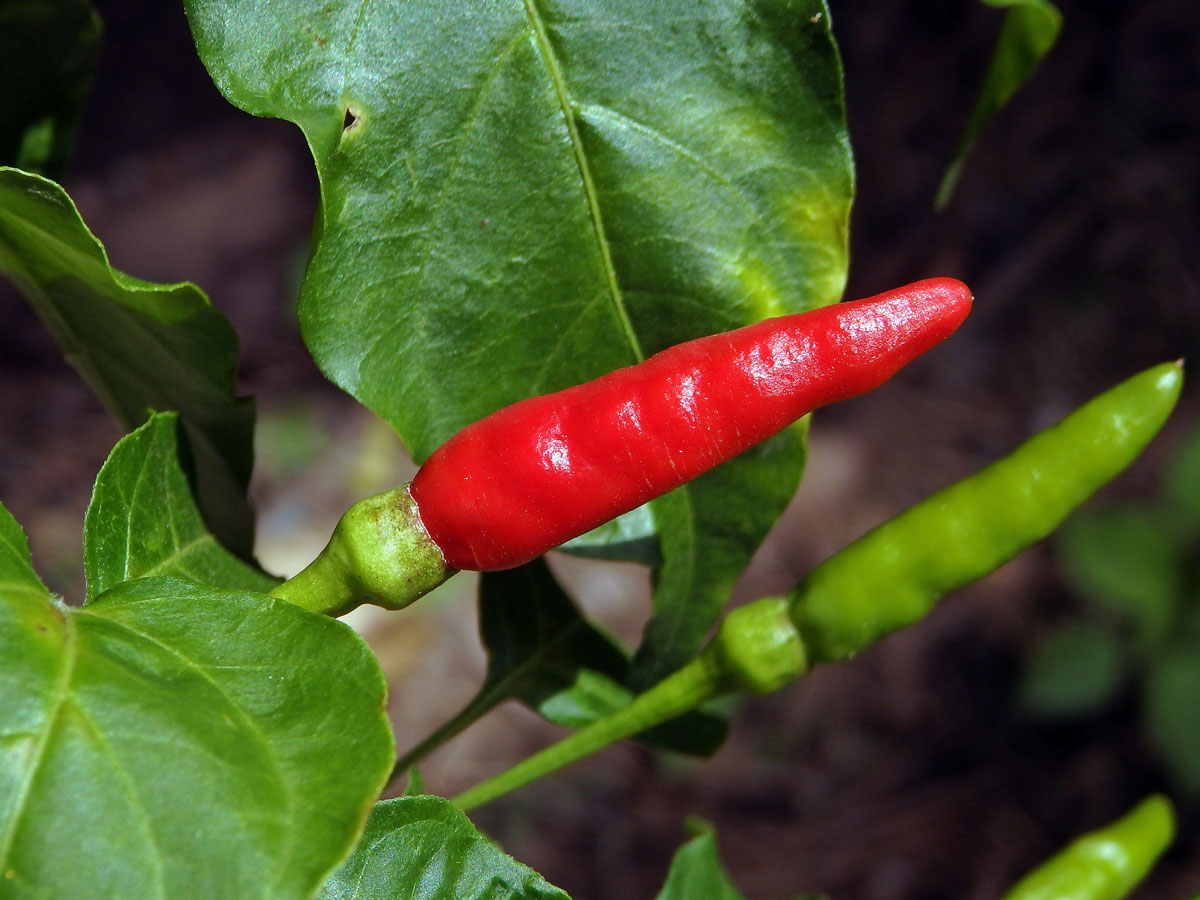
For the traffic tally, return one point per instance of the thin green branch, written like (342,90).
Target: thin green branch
(481,704)
(681,692)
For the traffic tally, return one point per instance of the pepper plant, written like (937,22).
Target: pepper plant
(516,198)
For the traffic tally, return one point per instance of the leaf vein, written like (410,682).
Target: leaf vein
(429,247)
(247,721)
(623,120)
(131,792)
(67,674)
(554,67)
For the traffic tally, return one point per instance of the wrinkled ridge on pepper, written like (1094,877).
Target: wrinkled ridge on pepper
(542,471)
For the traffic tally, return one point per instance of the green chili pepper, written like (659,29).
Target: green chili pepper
(1105,864)
(892,576)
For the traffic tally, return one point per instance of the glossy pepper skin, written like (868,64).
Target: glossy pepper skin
(535,474)
(1105,864)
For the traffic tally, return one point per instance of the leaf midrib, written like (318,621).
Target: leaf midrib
(61,692)
(132,503)
(131,792)
(554,68)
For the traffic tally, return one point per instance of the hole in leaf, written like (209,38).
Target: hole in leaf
(351,120)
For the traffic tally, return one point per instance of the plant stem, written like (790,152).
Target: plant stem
(681,692)
(481,704)
(324,586)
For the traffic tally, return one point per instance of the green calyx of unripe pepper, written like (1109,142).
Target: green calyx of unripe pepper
(379,553)
(757,647)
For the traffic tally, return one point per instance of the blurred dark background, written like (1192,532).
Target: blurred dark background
(911,772)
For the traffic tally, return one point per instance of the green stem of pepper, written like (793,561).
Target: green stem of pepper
(673,696)
(476,709)
(891,577)
(1105,864)
(756,649)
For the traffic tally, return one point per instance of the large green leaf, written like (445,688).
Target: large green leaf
(422,847)
(530,193)
(48,49)
(198,743)
(143,521)
(1029,30)
(519,195)
(140,346)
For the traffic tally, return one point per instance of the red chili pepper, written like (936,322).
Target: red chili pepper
(535,474)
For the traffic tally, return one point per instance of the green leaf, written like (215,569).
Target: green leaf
(48,49)
(1075,672)
(143,520)
(422,847)
(1029,30)
(1170,695)
(696,872)
(533,193)
(1182,481)
(545,653)
(589,697)
(631,537)
(199,743)
(1123,557)
(141,347)
(539,192)
(16,567)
